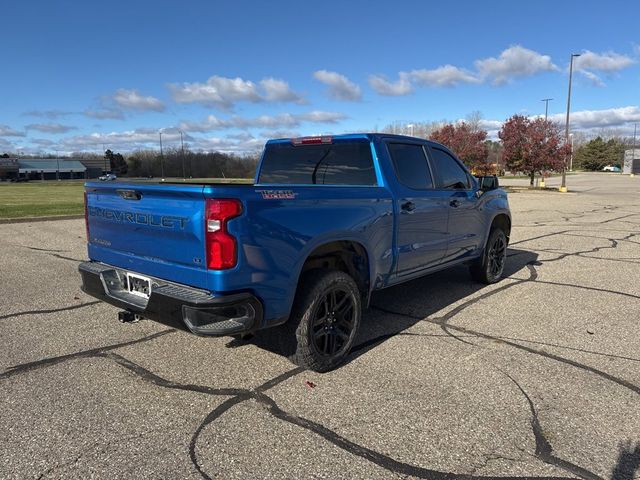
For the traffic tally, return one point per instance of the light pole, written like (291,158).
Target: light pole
(633,154)
(563,186)
(546,106)
(161,158)
(184,175)
(571,158)
(410,128)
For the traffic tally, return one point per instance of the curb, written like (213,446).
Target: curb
(40,219)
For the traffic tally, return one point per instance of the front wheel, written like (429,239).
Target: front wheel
(490,266)
(326,315)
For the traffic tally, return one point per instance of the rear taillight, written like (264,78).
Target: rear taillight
(222,249)
(86,217)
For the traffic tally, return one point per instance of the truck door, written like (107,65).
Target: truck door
(465,226)
(422,211)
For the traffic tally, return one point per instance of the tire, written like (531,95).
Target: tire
(490,266)
(324,320)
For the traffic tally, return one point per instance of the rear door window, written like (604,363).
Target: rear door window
(410,164)
(342,163)
(452,175)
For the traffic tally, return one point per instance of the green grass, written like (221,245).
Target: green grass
(41,199)
(51,198)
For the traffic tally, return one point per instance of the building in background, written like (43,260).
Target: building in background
(8,168)
(96,166)
(631,161)
(41,169)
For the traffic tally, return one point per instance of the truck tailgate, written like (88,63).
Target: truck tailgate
(152,229)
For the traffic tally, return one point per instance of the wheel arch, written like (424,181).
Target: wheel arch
(349,256)
(503,221)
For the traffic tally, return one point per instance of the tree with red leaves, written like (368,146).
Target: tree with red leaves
(532,145)
(467,142)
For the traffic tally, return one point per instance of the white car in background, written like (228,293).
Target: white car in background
(611,168)
(108,177)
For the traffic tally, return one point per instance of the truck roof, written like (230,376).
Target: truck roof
(353,136)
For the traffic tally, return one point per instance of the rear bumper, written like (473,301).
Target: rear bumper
(174,304)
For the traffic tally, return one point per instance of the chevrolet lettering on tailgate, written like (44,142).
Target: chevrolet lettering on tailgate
(164,221)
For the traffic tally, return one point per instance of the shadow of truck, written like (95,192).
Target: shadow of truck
(416,299)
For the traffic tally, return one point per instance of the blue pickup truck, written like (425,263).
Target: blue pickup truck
(327,221)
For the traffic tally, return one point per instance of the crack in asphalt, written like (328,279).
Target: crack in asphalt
(52,252)
(544,450)
(50,361)
(438,321)
(257,394)
(239,395)
(51,310)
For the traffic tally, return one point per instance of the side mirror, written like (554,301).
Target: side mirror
(487,182)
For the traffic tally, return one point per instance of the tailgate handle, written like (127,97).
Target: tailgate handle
(129,194)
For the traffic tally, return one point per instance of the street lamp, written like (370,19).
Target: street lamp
(410,126)
(161,158)
(546,106)
(563,186)
(571,157)
(184,175)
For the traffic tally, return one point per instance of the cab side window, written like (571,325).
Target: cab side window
(410,164)
(452,175)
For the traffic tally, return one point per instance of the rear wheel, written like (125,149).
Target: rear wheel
(325,319)
(490,266)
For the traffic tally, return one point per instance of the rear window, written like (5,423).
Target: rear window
(334,164)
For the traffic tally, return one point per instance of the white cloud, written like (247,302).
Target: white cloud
(584,120)
(608,62)
(515,61)
(594,119)
(217,91)
(50,114)
(318,116)
(444,76)
(7,131)
(286,120)
(340,87)
(132,99)
(278,91)
(605,62)
(114,138)
(267,134)
(223,92)
(400,87)
(42,142)
(104,114)
(593,78)
(50,127)
(227,144)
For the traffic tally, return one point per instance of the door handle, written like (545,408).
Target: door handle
(455,203)
(408,206)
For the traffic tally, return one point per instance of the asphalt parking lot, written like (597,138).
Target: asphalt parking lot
(535,377)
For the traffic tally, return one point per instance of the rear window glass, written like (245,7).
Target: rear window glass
(334,164)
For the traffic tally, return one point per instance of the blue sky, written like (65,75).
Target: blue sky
(78,75)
